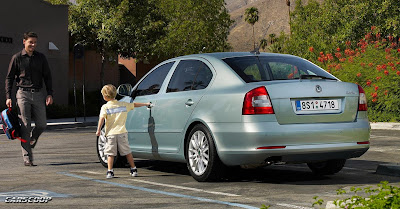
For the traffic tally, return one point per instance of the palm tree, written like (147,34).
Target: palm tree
(272,38)
(263,44)
(251,17)
(288,4)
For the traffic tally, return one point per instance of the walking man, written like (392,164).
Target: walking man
(30,69)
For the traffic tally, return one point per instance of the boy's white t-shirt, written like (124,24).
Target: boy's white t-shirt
(115,114)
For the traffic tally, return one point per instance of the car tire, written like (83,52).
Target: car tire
(119,161)
(201,155)
(327,167)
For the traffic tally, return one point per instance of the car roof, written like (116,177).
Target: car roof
(223,55)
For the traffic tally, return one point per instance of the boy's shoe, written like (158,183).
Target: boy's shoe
(134,172)
(29,163)
(110,174)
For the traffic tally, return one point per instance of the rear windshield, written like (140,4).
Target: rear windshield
(260,68)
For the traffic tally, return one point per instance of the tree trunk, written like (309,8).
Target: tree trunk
(254,40)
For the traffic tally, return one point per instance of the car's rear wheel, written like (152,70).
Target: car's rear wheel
(201,155)
(119,161)
(327,167)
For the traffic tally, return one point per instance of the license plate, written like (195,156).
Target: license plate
(305,105)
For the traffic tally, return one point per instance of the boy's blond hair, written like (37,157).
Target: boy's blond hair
(109,91)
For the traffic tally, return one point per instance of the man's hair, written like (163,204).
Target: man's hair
(109,91)
(30,34)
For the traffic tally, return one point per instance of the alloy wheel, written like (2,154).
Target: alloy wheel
(198,153)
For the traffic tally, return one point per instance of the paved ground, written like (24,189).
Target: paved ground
(68,171)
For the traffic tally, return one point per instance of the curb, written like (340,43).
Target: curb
(385,126)
(52,126)
(68,123)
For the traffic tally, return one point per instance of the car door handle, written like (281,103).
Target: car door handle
(150,105)
(189,102)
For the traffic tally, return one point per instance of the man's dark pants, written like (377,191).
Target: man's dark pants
(32,106)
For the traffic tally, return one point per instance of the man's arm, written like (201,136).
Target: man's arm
(47,77)
(48,81)
(10,80)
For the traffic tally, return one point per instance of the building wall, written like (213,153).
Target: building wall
(50,22)
(138,69)
(89,67)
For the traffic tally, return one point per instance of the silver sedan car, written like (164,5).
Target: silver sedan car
(212,111)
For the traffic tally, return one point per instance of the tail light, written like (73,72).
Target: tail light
(257,101)
(362,101)
(364,142)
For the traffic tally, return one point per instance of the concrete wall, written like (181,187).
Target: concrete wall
(50,22)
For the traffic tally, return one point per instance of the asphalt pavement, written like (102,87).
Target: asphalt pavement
(383,169)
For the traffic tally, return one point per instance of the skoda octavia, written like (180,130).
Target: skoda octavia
(216,110)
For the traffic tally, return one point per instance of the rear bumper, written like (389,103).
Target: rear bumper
(237,143)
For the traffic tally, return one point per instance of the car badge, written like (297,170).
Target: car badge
(318,88)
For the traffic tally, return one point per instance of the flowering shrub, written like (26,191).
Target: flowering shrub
(382,196)
(375,65)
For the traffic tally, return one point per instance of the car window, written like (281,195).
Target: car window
(153,81)
(261,68)
(284,71)
(190,75)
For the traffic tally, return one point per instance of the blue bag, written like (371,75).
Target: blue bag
(10,124)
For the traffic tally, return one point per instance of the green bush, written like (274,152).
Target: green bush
(375,66)
(384,196)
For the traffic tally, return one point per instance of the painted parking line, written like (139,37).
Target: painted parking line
(185,188)
(158,191)
(173,186)
(292,206)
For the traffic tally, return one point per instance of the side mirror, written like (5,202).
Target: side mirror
(124,89)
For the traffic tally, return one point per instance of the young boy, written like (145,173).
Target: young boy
(114,113)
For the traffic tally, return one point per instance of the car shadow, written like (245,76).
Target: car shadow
(163,166)
(354,172)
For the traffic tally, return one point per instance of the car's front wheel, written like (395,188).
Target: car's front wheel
(201,155)
(103,158)
(327,167)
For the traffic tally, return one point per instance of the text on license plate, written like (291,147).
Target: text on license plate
(332,104)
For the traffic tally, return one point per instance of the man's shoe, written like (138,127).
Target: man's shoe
(134,172)
(110,174)
(29,164)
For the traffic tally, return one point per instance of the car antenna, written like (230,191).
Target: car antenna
(256,51)
(201,52)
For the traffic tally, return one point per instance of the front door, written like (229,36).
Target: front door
(140,122)
(174,107)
